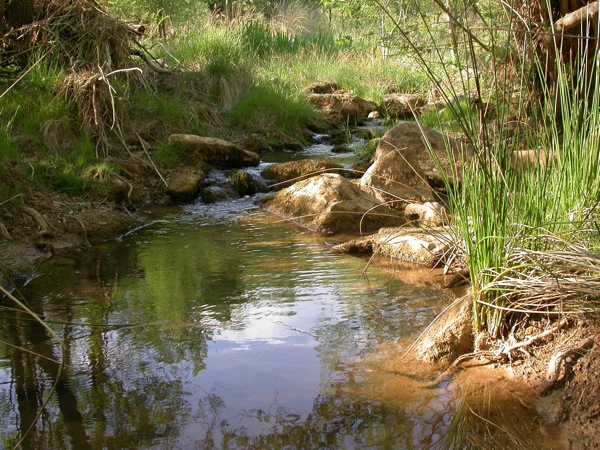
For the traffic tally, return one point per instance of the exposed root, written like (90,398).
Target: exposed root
(505,352)
(523,345)
(559,359)
(4,232)
(44,230)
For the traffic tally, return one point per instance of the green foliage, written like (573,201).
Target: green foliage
(504,209)
(68,172)
(27,107)
(269,108)
(263,40)
(156,14)
(167,111)
(366,153)
(9,151)
(444,119)
(168,156)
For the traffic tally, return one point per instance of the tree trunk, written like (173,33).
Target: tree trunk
(2,24)
(18,13)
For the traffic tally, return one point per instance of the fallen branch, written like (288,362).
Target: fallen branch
(576,18)
(152,64)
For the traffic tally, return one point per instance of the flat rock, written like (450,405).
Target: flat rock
(214,152)
(423,246)
(287,173)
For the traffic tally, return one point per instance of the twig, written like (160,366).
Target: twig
(149,158)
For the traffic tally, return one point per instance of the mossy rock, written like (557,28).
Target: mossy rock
(244,184)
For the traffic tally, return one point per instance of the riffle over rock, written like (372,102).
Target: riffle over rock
(329,203)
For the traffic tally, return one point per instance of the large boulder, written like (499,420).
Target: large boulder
(287,173)
(403,170)
(402,106)
(426,247)
(213,151)
(329,203)
(335,104)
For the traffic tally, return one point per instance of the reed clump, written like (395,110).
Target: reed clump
(529,231)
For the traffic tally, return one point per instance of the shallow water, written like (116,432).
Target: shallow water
(219,327)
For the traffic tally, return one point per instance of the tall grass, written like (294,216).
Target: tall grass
(504,210)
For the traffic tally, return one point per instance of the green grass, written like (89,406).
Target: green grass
(504,214)
(168,156)
(269,109)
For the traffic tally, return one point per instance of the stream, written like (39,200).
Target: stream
(220,326)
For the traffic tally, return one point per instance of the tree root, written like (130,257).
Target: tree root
(559,359)
(4,232)
(504,352)
(44,230)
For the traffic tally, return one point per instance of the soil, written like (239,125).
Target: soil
(47,223)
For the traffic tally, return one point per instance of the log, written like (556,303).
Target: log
(576,18)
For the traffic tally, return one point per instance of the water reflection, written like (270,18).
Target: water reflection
(204,333)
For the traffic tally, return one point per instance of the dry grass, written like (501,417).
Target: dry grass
(95,49)
(548,282)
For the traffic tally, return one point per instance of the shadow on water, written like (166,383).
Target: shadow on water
(220,328)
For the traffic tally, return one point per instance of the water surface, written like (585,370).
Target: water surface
(218,327)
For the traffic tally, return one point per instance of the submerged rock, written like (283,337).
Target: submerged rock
(428,247)
(329,203)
